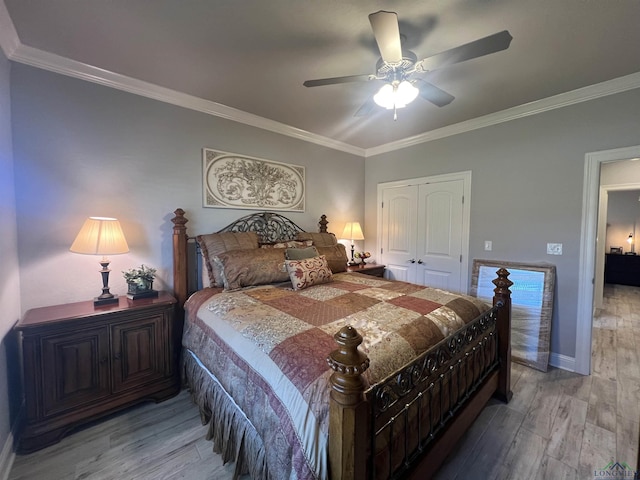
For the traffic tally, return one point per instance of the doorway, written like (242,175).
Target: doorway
(588,249)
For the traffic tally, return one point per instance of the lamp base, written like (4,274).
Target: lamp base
(99,302)
(107,298)
(353,261)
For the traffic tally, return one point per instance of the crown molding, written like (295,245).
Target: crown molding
(592,92)
(16,51)
(9,41)
(65,66)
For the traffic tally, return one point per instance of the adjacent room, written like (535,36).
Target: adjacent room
(215,212)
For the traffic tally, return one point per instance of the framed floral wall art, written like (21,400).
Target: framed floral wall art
(231,180)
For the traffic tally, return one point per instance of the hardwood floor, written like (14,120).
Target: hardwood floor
(559,425)
(562,425)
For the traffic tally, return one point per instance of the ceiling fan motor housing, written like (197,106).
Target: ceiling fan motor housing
(388,71)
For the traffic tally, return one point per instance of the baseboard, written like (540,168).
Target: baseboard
(7,456)
(562,361)
(8,452)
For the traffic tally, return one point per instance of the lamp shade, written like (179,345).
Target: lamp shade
(100,236)
(352,231)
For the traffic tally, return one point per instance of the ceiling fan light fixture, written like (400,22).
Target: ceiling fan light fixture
(407,93)
(396,95)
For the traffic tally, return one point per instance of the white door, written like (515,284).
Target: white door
(399,234)
(422,233)
(439,228)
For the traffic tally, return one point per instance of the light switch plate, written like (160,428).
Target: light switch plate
(488,245)
(554,249)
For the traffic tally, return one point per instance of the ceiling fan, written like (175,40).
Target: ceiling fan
(397,67)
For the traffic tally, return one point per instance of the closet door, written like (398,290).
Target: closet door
(399,214)
(439,235)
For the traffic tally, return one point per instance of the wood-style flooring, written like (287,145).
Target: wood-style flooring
(559,425)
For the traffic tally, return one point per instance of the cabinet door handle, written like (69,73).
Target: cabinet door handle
(104,360)
(420,262)
(413,260)
(117,356)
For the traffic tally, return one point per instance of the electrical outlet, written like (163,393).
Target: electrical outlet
(554,249)
(488,245)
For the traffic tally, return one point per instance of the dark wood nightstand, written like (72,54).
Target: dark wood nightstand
(82,362)
(368,269)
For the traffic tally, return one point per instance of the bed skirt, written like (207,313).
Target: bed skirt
(233,435)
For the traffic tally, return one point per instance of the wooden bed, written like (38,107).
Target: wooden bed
(417,413)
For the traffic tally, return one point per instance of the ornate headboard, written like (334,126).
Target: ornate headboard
(270,227)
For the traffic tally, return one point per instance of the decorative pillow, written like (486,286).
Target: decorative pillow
(289,244)
(336,257)
(318,239)
(301,253)
(309,271)
(214,244)
(245,268)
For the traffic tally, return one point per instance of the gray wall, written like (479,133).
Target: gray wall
(527,186)
(623,218)
(82,149)
(9,276)
(626,172)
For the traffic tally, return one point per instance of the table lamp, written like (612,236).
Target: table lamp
(352,231)
(101,236)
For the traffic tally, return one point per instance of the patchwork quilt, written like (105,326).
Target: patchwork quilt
(268,345)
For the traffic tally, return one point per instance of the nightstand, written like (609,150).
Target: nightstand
(82,362)
(368,269)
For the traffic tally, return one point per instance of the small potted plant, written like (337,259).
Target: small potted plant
(362,256)
(140,282)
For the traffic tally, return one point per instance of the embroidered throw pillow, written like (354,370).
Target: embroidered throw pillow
(309,271)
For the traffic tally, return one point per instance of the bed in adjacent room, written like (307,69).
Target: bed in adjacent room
(305,371)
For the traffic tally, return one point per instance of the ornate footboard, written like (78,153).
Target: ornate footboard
(404,426)
(407,424)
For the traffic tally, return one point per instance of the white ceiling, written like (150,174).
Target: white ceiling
(253,55)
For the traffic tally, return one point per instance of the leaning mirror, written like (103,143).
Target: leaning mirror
(531,306)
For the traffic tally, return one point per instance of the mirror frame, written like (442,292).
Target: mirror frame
(540,359)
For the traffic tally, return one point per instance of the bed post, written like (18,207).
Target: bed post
(348,412)
(322,224)
(180,285)
(502,294)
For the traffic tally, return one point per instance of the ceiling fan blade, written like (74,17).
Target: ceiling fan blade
(387,33)
(433,94)
(335,80)
(366,108)
(484,46)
